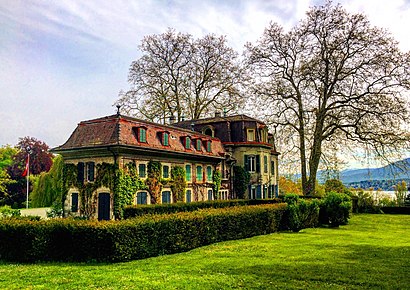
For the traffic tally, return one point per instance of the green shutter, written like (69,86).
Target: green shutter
(188,172)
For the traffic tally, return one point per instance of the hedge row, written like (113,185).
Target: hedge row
(140,210)
(142,237)
(396,209)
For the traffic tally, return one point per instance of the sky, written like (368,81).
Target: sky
(64,61)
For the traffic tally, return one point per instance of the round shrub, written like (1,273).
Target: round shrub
(335,209)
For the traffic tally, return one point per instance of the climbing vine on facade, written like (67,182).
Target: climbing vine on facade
(178,183)
(153,182)
(216,183)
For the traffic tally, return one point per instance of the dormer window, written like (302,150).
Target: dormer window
(187,142)
(142,134)
(251,134)
(198,144)
(165,138)
(208,146)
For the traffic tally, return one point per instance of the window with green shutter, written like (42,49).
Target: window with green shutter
(142,135)
(198,144)
(165,171)
(209,173)
(188,172)
(208,146)
(187,143)
(199,174)
(165,138)
(142,170)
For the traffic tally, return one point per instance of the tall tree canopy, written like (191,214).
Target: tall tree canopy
(332,79)
(178,76)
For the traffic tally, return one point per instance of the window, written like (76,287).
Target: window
(209,173)
(208,131)
(166,197)
(142,170)
(165,171)
(210,195)
(265,164)
(272,167)
(90,171)
(165,138)
(208,146)
(198,144)
(142,135)
(74,202)
(188,195)
(80,170)
(187,143)
(142,197)
(188,176)
(251,135)
(199,176)
(252,163)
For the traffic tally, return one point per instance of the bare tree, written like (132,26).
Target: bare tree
(180,76)
(332,78)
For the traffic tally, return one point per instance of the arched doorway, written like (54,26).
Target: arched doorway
(104,206)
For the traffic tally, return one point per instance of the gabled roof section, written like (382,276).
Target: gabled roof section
(121,130)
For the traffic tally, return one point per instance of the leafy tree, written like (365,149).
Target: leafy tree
(49,186)
(335,185)
(288,186)
(400,191)
(6,156)
(6,159)
(332,79)
(40,161)
(181,76)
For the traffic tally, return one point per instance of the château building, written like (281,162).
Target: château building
(201,147)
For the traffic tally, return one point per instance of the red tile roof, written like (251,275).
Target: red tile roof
(121,130)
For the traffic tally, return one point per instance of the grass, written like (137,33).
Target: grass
(373,251)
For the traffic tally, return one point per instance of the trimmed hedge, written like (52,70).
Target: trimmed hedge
(146,236)
(396,209)
(140,210)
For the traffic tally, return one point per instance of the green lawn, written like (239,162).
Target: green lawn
(373,251)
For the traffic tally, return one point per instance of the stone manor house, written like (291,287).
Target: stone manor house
(199,146)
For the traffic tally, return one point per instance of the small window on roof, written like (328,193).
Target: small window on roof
(165,138)
(142,135)
(187,143)
(198,144)
(208,146)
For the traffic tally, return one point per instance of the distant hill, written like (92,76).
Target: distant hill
(397,170)
(383,177)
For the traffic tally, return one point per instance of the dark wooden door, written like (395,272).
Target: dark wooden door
(104,206)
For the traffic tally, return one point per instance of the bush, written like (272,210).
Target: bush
(140,210)
(300,213)
(6,211)
(142,237)
(335,209)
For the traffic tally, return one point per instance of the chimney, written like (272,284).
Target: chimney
(172,119)
(217,114)
(224,112)
(193,126)
(182,118)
